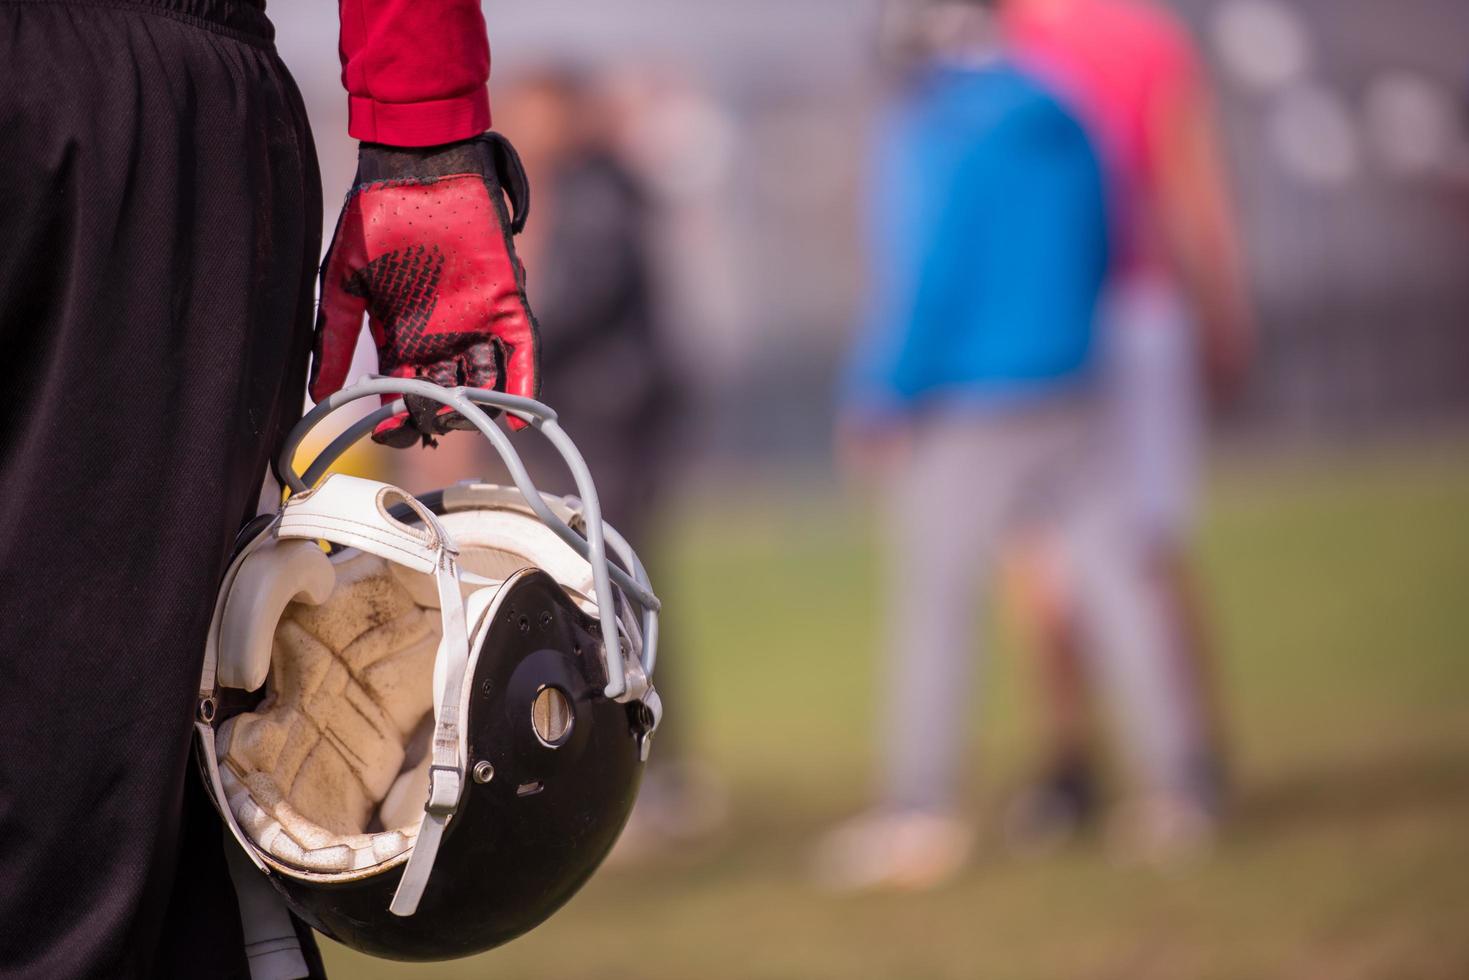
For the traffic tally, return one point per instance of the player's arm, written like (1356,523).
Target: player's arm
(424,246)
(415,70)
(1197,218)
(875,408)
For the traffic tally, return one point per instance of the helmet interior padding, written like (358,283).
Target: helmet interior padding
(308,772)
(329,773)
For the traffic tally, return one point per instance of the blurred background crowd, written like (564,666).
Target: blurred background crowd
(1046,423)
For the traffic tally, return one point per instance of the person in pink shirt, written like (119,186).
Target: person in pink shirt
(1176,315)
(1132,72)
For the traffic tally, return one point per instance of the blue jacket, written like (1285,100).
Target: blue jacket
(989,247)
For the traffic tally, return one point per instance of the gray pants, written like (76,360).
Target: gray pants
(969,479)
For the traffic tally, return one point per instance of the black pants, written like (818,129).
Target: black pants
(159,229)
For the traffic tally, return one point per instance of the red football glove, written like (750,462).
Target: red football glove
(424,247)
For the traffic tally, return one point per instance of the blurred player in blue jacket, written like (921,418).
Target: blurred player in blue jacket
(972,395)
(988,245)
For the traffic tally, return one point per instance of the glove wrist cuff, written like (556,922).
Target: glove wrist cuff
(378,161)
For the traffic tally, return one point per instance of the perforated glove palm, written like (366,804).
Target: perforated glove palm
(424,246)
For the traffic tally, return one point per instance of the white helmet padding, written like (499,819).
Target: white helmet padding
(292,571)
(313,774)
(329,773)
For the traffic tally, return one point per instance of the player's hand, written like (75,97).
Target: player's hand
(1229,350)
(425,248)
(868,447)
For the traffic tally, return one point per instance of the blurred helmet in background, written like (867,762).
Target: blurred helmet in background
(914,33)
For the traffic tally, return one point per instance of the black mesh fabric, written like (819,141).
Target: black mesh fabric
(160,229)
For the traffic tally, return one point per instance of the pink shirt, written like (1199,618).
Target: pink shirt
(1122,63)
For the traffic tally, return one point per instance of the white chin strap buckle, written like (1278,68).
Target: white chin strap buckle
(444,785)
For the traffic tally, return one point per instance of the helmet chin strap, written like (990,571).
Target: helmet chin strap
(446,772)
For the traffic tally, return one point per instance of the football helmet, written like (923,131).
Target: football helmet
(425,718)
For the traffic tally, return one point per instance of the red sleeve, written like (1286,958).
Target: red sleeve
(415,70)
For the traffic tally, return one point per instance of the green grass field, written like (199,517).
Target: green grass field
(1341,590)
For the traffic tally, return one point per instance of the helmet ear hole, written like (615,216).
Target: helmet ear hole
(551,716)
